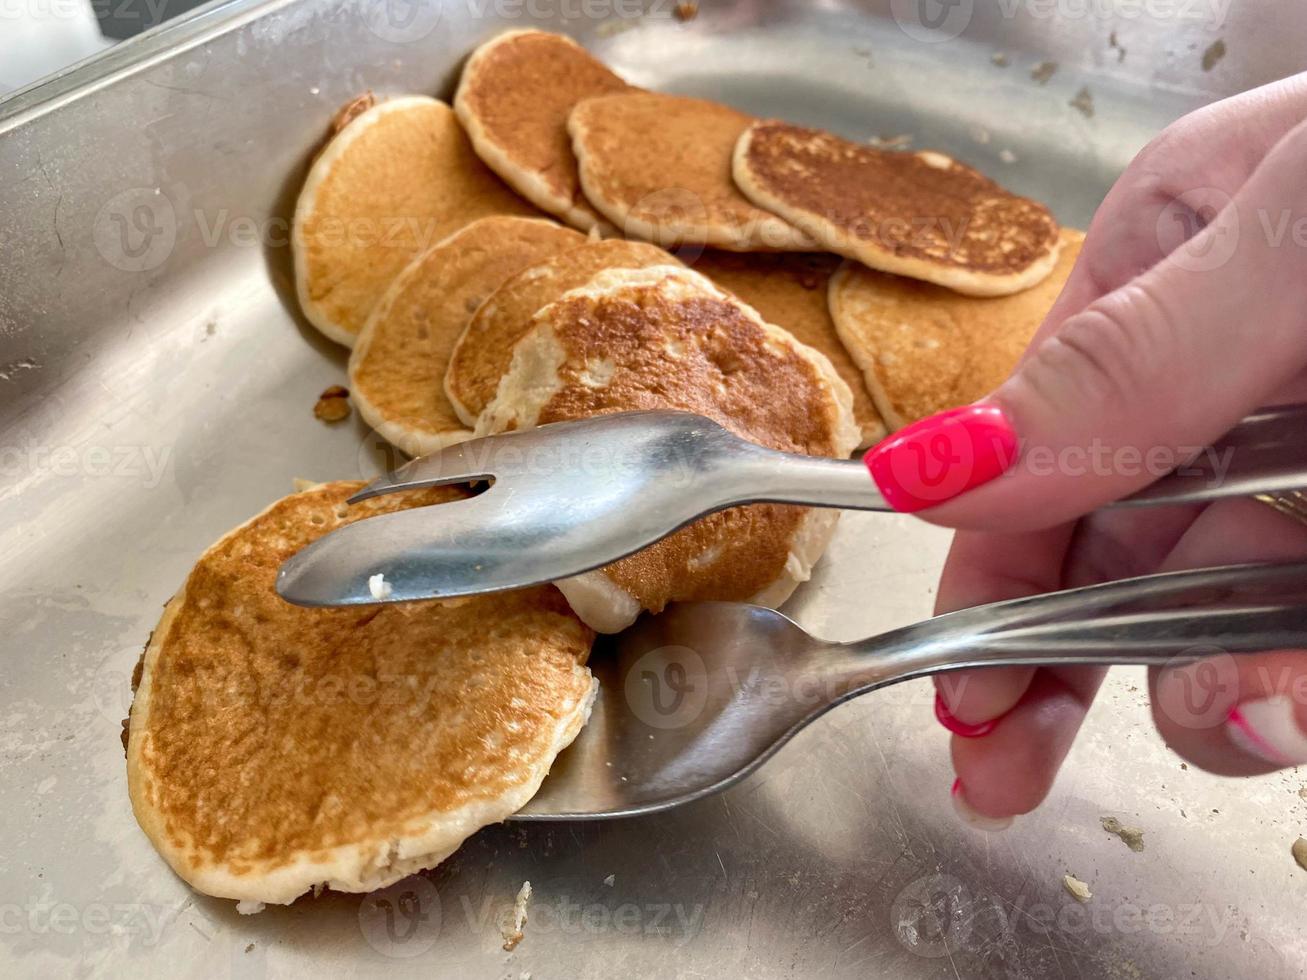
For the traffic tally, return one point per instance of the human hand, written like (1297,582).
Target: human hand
(1186,311)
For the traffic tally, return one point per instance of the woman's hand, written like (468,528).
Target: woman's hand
(1186,311)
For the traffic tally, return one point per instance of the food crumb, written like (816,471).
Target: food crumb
(351,110)
(1007,156)
(1078,889)
(1214,53)
(1131,837)
(1115,45)
(609,880)
(333,405)
(513,937)
(249,948)
(1043,71)
(1299,851)
(686,11)
(1303,792)
(379,587)
(999,59)
(899,142)
(1084,103)
(617,25)
(247,907)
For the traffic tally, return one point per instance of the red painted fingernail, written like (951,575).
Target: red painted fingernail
(943,457)
(1268,728)
(946,718)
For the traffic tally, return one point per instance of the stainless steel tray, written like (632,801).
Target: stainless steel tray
(156,386)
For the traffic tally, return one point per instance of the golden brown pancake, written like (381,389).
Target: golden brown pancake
(274,748)
(921,215)
(659,168)
(513,99)
(395,180)
(789,290)
(665,337)
(485,350)
(397,368)
(923,348)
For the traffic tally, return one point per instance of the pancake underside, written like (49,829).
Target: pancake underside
(398,364)
(553,187)
(625,172)
(923,349)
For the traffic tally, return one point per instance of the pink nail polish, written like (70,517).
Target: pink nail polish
(1268,729)
(947,719)
(943,457)
(970,817)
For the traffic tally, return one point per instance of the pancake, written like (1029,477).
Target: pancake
(659,168)
(273,748)
(514,97)
(923,348)
(789,290)
(485,350)
(921,215)
(665,337)
(397,368)
(397,178)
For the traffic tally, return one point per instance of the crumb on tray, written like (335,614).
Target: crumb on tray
(514,936)
(1130,836)
(1214,53)
(900,142)
(1043,71)
(1078,889)
(1084,102)
(379,587)
(333,405)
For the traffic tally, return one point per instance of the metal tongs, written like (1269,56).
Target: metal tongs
(693,700)
(572,496)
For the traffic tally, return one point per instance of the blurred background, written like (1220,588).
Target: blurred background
(41,37)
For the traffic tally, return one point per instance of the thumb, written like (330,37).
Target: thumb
(1137,383)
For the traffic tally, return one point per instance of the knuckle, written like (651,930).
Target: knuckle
(1115,351)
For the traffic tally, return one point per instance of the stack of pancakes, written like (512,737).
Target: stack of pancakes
(557,244)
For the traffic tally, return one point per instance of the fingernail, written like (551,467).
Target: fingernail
(943,457)
(947,719)
(1269,729)
(973,819)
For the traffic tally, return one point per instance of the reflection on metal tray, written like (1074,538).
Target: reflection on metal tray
(157,388)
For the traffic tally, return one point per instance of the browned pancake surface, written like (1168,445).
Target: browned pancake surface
(919,214)
(789,290)
(266,734)
(640,344)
